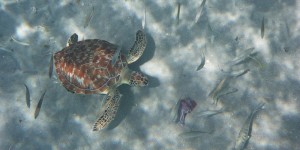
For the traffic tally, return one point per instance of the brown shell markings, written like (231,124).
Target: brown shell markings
(85,67)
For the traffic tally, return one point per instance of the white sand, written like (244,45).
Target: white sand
(171,58)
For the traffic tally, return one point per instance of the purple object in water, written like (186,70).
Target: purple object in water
(186,106)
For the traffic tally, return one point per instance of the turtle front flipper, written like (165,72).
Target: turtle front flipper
(73,39)
(109,110)
(138,47)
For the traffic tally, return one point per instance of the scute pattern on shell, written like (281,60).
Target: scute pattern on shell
(85,67)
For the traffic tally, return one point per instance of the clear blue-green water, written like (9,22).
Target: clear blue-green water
(30,31)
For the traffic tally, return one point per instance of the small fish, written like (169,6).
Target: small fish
(262,29)
(237,73)
(223,93)
(27,96)
(202,63)
(240,73)
(19,42)
(144,20)
(174,111)
(198,15)
(178,12)
(218,88)
(287,29)
(39,105)
(191,134)
(210,28)
(185,106)
(5,49)
(88,18)
(245,133)
(116,55)
(242,57)
(51,67)
(257,61)
(209,113)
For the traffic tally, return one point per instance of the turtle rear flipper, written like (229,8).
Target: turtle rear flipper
(109,111)
(138,47)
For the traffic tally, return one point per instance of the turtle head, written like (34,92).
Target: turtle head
(73,39)
(138,79)
(138,47)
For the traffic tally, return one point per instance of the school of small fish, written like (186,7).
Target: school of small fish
(222,88)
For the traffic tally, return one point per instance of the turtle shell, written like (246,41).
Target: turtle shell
(85,67)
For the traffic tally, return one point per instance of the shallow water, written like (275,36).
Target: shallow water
(144,120)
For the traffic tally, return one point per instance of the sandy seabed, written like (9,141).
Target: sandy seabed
(30,31)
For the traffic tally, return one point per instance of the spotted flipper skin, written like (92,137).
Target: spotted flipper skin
(110,109)
(138,47)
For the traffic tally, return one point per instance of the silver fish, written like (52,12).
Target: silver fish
(39,105)
(88,18)
(209,113)
(174,111)
(223,93)
(245,133)
(27,96)
(202,63)
(19,42)
(5,49)
(257,61)
(262,29)
(116,55)
(198,15)
(242,57)
(178,12)
(287,29)
(218,88)
(239,73)
(51,67)
(144,20)
(191,134)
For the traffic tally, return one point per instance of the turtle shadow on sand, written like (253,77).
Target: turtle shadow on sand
(128,99)
(147,56)
(126,104)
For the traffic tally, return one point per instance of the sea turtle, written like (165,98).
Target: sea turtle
(87,67)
